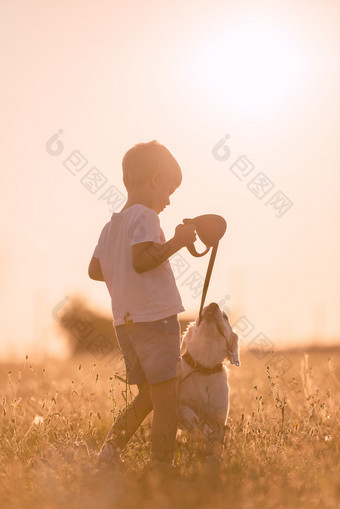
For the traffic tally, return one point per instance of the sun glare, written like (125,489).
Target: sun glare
(250,68)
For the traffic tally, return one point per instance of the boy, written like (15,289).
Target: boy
(132,258)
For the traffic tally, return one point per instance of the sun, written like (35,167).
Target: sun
(250,68)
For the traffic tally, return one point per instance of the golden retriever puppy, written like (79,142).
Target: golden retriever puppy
(203,396)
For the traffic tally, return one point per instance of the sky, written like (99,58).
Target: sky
(245,94)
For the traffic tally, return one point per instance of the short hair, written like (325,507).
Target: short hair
(142,160)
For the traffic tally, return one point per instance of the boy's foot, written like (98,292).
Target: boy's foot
(109,459)
(108,454)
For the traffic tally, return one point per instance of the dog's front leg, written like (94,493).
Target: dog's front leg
(214,445)
(189,420)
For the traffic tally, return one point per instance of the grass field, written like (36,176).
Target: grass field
(282,442)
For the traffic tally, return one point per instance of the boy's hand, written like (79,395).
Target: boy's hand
(185,234)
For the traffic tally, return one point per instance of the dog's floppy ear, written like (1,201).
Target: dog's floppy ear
(235,350)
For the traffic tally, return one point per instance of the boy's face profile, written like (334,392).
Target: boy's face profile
(161,189)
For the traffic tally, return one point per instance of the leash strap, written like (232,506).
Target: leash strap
(189,374)
(207,279)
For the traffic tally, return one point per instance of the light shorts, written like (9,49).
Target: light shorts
(151,350)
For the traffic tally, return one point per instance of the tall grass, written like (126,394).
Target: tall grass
(282,440)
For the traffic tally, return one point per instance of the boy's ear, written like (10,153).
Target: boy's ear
(155,177)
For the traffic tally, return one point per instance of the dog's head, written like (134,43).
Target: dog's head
(213,337)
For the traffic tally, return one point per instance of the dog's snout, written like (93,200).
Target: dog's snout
(210,311)
(212,306)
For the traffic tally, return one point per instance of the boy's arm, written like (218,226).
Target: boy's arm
(95,271)
(148,255)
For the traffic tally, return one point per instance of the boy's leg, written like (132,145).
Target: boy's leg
(127,424)
(131,418)
(164,422)
(150,350)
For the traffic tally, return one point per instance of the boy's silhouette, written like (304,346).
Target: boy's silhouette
(132,258)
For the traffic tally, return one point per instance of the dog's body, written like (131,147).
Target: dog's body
(203,385)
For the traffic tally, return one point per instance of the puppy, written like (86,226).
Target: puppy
(203,395)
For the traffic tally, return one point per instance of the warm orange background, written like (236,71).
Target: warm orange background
(111,74)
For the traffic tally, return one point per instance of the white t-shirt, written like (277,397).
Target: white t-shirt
(141,297)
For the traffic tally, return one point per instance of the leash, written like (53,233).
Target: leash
(210,228)
(207,279)
(186,376)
